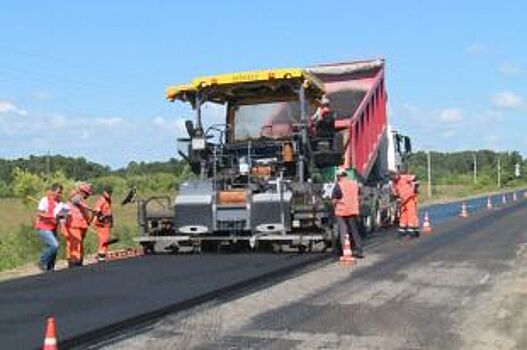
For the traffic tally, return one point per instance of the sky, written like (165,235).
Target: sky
(88,78)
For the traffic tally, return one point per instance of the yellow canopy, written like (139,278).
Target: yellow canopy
(248,84)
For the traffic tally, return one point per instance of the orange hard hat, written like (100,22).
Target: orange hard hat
(85,187)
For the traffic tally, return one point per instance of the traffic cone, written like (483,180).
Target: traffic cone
(464,212)
(489,203)
(50,341)
(514,197)
(346,257)
(427,228)
(504,199)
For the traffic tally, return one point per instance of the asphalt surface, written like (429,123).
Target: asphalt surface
(86,301)
(407,294)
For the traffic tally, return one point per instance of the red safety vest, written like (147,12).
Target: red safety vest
(348,204)
(47,223)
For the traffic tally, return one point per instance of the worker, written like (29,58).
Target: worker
(103,222)
(322,123)
(46,226)
(77,225)
(405,188)
(346,202)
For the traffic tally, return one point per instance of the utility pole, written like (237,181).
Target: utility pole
(47,166)
(499,171)
(475,167)
(429,163)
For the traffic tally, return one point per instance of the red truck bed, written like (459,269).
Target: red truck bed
(357,94)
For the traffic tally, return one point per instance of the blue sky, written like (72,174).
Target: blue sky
(88,78)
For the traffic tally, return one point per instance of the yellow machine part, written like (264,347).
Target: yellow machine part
(188,92)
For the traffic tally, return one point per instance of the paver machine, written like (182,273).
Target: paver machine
(262,173)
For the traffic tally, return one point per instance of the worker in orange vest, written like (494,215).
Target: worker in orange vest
(46,225)
(103,222)
(405,189)
(346,201)
(77,224)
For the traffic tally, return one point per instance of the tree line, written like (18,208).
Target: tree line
(24,177)
(458,167)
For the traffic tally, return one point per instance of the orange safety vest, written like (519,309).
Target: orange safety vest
(348,204)
(78,217)
(104,206)
(404,187)
(48,223)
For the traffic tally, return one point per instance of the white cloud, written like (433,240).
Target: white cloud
(450,115)
(109,122)
(8,107)
(507,100)
(475,49)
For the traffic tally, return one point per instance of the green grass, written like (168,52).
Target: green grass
(20,243)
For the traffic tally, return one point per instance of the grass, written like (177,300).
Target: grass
(20,243)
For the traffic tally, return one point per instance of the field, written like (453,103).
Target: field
(20,244)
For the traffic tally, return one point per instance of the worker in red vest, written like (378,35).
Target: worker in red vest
(103,222)
(405,189)
(346,201)
(46,226)
(77,225)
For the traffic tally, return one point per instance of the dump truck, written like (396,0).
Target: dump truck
(263,172)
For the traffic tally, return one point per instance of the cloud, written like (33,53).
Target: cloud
(475,49)
(507,100)
(109,122)
(7,107)
(450,115)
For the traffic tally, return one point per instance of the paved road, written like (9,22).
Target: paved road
(462,287)
(88,299)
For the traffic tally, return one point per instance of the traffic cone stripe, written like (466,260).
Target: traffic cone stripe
(50,341)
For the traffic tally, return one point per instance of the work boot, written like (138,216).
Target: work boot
(357,253)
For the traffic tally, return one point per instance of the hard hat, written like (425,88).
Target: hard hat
(324,101)
(85,187)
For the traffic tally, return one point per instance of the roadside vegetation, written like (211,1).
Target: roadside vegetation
(22,181)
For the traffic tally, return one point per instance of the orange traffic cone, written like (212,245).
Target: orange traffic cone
(464,212)
(346,257)
(489,203)
(50,342)
(514,197)
(427,227)
(504,199)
